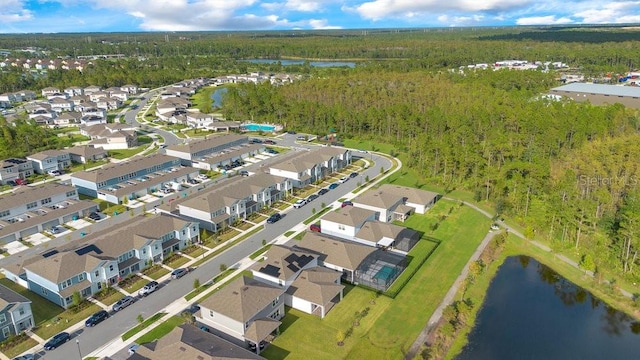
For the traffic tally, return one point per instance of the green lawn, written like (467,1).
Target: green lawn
(64,320)
(386,333)
(75,167)
(161,330)
(155,272)
(126,153)
(144,139)
(135,285)
(178,261)
(297,341)
(42,308)
(17,347)
(110,296)
(136,329)
(316,215)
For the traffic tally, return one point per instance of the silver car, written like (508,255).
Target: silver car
(123,303)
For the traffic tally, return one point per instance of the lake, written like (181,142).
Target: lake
(300,62)
(531,312)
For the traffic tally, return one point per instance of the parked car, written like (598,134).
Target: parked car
(301,138)
(495,227)
(244,173)
(123,303)
(271,151)
(346,203)
(269,142)
(333,186)
(291,132)
(274,218)
(21,182)
(343,180)
(353,174)
(57,340)
(94,216)
(96,318)
(193,181)
(323,191)
(256,141)
(178,273)
(312,197)
(12,183)
(300,203)
(56,230)
(133,348)
(315,227)
(54,173)
(25,357)
(148,289)
(202,176)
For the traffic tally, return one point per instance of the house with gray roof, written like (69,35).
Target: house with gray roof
(217,161)
(111,136)
(217,207)
(189,342)
(310,166)
(394,202)
(132,179)
(70,118)
(195,149)
(50,160)
(86,153)
(13,168)
(346,222)
(246,309)
(387,235)
(281,265)
(104,257)
(15,313)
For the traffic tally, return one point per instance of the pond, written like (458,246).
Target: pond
(217,97)
(531,312)
(300,62)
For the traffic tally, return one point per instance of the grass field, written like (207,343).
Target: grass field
(146,323)
(393,330)
(161,330)
(42,308)
(126,153)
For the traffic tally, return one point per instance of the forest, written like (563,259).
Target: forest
(566,171)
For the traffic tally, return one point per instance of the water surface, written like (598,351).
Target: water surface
(531,312)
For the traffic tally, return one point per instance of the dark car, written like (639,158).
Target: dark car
(96,318)
(346,203)
(123,303)
(333,186)
(94,216)
(312,197)
(269,142)
(291,132)
(12,183)
(178,273)
(57,340)
(271,151)
(274,218)
(315,227)
(255,141)
(323,191)
(353,174)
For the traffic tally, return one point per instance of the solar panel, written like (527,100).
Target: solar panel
(270,270)
(49,253)
(88,249)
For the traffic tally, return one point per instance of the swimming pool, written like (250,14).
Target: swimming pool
(386,273)
(258,127)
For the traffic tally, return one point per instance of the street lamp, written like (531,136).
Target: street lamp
(79,352)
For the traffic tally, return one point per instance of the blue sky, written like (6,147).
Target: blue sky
(50,16)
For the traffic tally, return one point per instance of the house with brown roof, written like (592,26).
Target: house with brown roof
(281,265)
(104,257)
(69,118)
(346,222)
(387,235)
(111,136)
(85,153)
(196,149)
(217,207)
(15,313)
(394,202)
(189,342)
(245,309)
(310,166)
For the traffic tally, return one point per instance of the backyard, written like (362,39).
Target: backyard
(387,334)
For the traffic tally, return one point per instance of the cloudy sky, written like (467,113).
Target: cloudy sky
(27,16)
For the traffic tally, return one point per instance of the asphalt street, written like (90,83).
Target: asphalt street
(90,339)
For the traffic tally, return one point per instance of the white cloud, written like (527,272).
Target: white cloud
(544,20)
(380,9)
(613,12)
(14,11)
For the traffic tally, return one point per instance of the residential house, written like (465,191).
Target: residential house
(221,206)
(71,118)
(122,96)
(90,109)
(104,257)
(189,342)
(12,169)
(15,313)
(132,179)
(216,161)
(345,222)
(60,105)
(170,107)
(281,265)
(246,309)
(92,120)
(50,91)
(91,89)
(198,119)
(84,154)
(8,100)
(30,210)
(394,202)
(131,89)
(74,91)
(387,235)
(27,95)
(195,149)
(111,136)
(310,166)
(79,100)
(50,160)
(108,103)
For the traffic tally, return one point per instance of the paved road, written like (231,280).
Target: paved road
(130,118)
(93,338)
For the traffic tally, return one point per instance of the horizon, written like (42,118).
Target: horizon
(102,16)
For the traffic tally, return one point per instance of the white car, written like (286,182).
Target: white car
(202,177)
(343,180)
(300,203)
(54,173)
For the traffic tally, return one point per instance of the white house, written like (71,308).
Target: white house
(346,222)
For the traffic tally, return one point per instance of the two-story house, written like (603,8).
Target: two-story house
(246,309)
(50,160)
(345,222)
(15,313)
(394,202)
(310,166)
(12,169)
(195,149)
